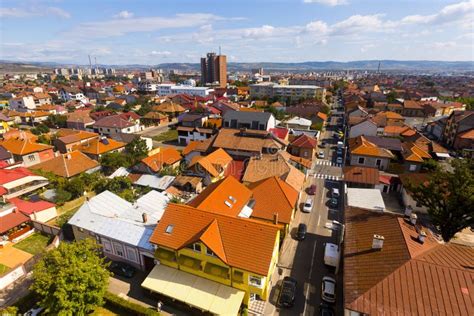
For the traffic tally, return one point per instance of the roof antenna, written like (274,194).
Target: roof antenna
(219,50)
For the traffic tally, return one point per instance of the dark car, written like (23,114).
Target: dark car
(122,269)
(311,190)
(325,310)
(286,298)
(301,232)
(333,202)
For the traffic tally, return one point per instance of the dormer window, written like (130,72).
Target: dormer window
(209,252)
(195,247)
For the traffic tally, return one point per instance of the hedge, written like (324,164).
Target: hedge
(131,308)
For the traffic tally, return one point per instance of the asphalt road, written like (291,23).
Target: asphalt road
(304,260)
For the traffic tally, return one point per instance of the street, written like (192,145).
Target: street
(304,260)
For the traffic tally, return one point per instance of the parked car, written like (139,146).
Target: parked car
(301,232)
(328,289)
(325,310)
(339,160)
(286,298)
(339,151)
(308,205)
(122,269)
(34,311)
(311,190)
(321,154)
(333,202)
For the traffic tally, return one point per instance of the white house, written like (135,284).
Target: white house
(365,128)
(122,228)
(72,93)
(165,89)
(22,104)
(297,123)
(263,121)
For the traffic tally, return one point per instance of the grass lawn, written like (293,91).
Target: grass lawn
(168,136)
(3,269)
(34,244)
(107,310)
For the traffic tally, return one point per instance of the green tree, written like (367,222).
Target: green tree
(75,186)
(449,197)
(72,279)
(430,165)
(62,196)
(57,121)
(136,150)
(40,129)
(112,161)
(115,185)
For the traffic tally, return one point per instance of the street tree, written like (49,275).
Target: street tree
(72,279)
(448,196)
(136,150)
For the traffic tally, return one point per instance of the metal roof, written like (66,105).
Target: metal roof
(110,216)
(155,182)
(368,199)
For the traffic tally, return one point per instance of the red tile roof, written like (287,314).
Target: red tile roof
(30,207)
(12,220)
(239,242)
(304,141)
(236,169)
(9,175)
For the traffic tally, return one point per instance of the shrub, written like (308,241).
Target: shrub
(130,307)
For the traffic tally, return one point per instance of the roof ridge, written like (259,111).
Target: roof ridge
(65,164)
(281,189)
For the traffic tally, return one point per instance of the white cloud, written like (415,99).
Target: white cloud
(443,45)
(451,13)
(331,3)
(33,11)
(259,32)
(124,15)
(317,27)
(161,53)
(143,24)
(357,23)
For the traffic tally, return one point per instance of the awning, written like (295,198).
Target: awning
(195,291)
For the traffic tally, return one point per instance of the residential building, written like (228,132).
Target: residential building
(13,223)
(169,89)
(298,123)
(457,123)
(119,123)
(303,146)
(214,70)
(19,181)
(27,151)
(97,147)
(413,108)
(291,92)
(165,157)
(69,139)
(41,211)
(414,156)
(72,94)
(128,138)
(234,256)
(68,165)
(96,219)
(80,120)
(407,199)
(22,104)
(367,154)
(211,167)
(6,157)
(361,177)
(365,127)
(263,121)
(414,274)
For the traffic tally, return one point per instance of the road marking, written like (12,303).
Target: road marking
(319,219)
(312,260)
(306,296)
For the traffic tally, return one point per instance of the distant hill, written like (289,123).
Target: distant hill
(404,65)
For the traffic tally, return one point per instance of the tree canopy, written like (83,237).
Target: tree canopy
(449,197)
(136,150)
(72,279)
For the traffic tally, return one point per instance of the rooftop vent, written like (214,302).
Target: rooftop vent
(145,217)
(377,242)
(232,199)
(421,237)
(227,203)
(104,141)
(169,229)
(413,219)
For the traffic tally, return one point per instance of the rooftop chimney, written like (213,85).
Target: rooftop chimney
(421,237)
(413,219)
(275,218)
(144,217)
(377,242)
(408,211)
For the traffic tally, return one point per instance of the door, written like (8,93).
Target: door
(148,262)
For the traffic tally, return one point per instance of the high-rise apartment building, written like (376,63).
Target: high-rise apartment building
(214,69)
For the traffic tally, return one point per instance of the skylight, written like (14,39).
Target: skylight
(169,229)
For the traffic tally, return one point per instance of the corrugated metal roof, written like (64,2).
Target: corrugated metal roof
(368,199)
(155,182)
(111,216)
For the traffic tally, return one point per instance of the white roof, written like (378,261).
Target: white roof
(120,172)
(369,199)
(299,121)
(155,182)
(109,215)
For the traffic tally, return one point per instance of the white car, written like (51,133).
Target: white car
(328,289)
(34,311)
(308,205)
(339,160)
(321,155)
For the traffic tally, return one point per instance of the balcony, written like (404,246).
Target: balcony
(25,188)
(190,262)
(216,270)
(165,255)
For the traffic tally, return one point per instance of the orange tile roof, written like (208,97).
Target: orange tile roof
(214,197)
(97,146)
(395,129)
(16,133)
(74,136)
(273,195)
(166,156)
(190,147)
(239,242)
(467,135)
(412,152)
(168,107)
(322,116)
(67,165)
(214,163)
(361,146)
(22,147)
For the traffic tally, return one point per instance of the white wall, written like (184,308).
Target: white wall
(45,216)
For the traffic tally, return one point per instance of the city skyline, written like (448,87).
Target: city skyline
(122,32)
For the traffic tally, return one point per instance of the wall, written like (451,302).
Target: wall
(408,201)
(369,162)
(365,128)
(45,215)
(12,276)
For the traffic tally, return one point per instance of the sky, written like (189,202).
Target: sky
(162,31)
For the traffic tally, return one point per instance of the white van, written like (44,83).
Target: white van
(331,255)
(335,193)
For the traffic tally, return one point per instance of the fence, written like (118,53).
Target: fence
(46,228)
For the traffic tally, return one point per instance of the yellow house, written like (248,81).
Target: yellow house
(237,255)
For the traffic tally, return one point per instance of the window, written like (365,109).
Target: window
(361,160)
(412,167)
(210,252)
(169,229)
(107,246)
(255,281)
(196,247)
(378,162)
(118,249)
(131,255)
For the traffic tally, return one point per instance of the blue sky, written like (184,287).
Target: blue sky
(152,32)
